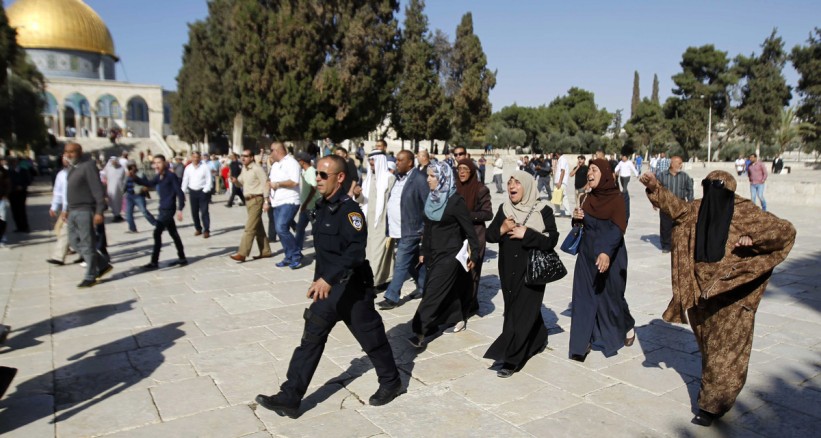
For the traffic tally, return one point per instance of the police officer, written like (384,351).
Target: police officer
(341,290)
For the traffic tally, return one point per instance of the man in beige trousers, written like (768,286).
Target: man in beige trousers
(254,184)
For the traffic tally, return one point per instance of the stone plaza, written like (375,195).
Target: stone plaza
(182,352)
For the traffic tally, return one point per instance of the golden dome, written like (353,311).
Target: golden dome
(60,24)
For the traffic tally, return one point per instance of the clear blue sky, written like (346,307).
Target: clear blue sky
(540,48)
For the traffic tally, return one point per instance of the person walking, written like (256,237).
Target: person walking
(477,200)
(308,195)
(372,195)
(135,195)
(284,184)
(498,171)
(521,224)
(254,183)
(447,284)
(114,175)
(600,315)
(59,212)
(724,253)
(624,169)
(679,184)
(20,178)
(86,203)
(757,173)
(579,173)
(562,181)
(341,291)
(168,190)
(197,182)
(235,169)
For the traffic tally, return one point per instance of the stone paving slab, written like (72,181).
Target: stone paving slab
(184,351)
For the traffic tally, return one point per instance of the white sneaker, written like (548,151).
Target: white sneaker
(460,327)
(84,264)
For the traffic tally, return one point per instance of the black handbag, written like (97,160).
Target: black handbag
(543,266)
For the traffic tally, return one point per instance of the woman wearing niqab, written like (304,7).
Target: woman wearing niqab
(723,254)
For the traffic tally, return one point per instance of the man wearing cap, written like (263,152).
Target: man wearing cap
(307,195)
(724,252)
(254,183)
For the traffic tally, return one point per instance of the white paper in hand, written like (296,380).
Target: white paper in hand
(464,255)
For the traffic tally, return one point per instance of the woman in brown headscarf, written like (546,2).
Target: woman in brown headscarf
(477,198)
(600,315)
(724,251)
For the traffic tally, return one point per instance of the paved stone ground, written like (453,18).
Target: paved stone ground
(184,351)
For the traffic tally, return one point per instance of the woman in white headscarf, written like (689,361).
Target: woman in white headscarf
(372,195)
(115,186)
(447,285)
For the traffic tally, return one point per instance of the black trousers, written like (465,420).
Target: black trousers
(352,304)
(666,230)
(199,207)
(165,221)
(236,191)
(17,202)
(624,181)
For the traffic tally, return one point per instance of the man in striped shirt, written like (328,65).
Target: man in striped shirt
(681,185)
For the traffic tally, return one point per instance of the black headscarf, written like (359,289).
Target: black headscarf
(714,216)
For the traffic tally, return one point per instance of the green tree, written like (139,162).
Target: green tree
(655,96)
(765,92)
(702,84)
(473,82)
(790,130)
(577,112)
(648,128)
(21,93)
(634,102)
(421,110)
(807,61)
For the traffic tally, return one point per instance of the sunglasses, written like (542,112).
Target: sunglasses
(461,154)
(714,183)
(324,175)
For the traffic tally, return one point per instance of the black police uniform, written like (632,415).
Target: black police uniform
(340,235)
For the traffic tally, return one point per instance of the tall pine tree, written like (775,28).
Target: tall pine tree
(807,61)
(765,92)
(655,96)
(636,100)
(421,110)
(473,82)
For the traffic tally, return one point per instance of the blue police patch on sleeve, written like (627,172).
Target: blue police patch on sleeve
(356,220)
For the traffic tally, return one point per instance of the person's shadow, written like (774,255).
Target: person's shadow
(653,239)
(92,389)
(29,335)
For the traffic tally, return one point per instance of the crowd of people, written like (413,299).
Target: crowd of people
(390,218)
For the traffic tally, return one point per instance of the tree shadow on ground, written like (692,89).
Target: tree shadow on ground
(80,384)
(30,335)
(798,277)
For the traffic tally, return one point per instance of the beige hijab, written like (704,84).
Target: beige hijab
(530,200)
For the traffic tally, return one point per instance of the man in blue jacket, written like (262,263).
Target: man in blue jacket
(406,207)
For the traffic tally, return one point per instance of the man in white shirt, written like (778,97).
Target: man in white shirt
(624,169)
(59,212)
(562,179)
(197,182)
(284,200)
(498,170)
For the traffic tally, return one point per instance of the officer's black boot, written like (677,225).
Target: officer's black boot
(385,395)
(280,403)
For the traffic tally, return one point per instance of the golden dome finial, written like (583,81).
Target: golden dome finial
(60,24)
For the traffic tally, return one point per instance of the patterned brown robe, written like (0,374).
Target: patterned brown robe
(720,299)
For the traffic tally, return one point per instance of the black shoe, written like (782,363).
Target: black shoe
(55,262)
(179,262)
(279,404)
(105,270)
(665,251)
(387,304)
(149,267)
(504,373)
(383,396)
(4,333)
(6,376)
(417,341)
(229,205)
(704,418)
(86,283)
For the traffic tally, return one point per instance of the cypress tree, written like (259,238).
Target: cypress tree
(473,82)
(634,103)
(655,96)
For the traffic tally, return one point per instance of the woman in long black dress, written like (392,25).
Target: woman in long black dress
(477,199)
(600,315)
(522,223)
(447,285)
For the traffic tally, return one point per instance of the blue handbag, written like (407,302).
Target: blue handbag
(573,240)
